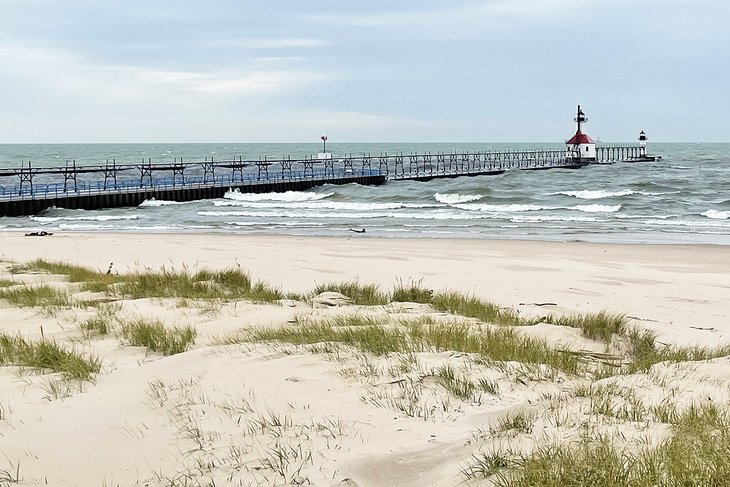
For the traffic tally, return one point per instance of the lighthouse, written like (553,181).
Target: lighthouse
(642,144)
(580,147)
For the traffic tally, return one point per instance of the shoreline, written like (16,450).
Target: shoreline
(679,239)
(679,291)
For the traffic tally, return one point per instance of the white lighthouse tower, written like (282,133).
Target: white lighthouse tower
(642,144)
(581,148)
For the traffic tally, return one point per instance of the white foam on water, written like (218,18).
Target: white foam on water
(689,223)
(323,204)
(279,223)
(84,226)
(153,203)
(95,218)
(502,208)
(292,214)
(596,208)
(716,215)
(638,217)
(455,198)
(290,196)
(587,194)
(551,218)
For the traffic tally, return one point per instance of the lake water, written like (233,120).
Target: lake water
(685,197)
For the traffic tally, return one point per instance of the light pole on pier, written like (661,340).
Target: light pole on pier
(324,143)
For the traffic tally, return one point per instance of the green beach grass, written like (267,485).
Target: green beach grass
(695,453)
(155,336)
(46,355)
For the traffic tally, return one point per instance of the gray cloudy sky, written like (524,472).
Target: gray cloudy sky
(362,70)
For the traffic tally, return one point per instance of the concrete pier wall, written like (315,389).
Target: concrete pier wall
(117,199)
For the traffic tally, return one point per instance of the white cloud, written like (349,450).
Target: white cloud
(46,70)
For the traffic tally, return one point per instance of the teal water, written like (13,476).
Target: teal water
(685,197)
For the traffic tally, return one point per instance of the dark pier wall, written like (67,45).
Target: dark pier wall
(118,199)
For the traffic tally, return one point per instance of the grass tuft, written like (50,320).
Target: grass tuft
(370,335)
(46,355)
(93,280)
(103,322)
(473,307)
(695,453)
(413,292)
(521,422)
(457,386)
(155,336)
(227,284)
(596,326)
(645,352)
(42,296)
(360,294)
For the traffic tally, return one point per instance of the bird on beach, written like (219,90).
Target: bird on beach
(109,270)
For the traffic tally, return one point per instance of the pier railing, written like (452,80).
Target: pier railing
(29,182)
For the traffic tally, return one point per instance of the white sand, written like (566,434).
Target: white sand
(208,413)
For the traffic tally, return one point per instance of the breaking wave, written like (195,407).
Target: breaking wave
(95,218)
(596,208)
(587,194)
(455,199)
(716,215)
(322,204)
(503,208)
(290,196)
(153,203)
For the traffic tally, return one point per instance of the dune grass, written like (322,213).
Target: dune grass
(155,336)
(229,284)
(41,296)
(360,294)
(519,422)
(694,453)
(596,326)
(408,336)
(6,283)
(645,351)
(103,322)
(411,292)
(92,280)
(458,386)
(46,355)
(459,304)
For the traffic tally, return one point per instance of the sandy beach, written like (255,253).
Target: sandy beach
(281,414)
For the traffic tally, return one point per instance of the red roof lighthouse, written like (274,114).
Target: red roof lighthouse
(581,148)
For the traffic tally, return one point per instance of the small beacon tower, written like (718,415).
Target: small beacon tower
(324,154)
(580,147)
(642,144)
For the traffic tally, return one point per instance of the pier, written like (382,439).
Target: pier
(28,190)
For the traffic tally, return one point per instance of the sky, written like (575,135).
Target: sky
(362,70)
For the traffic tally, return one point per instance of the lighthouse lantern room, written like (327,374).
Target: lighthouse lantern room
(581,148)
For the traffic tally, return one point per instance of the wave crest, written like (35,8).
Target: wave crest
(716,215)
(455,198)
(596,208)
(287,196)
(96,218)
(587,194)
(153,203)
